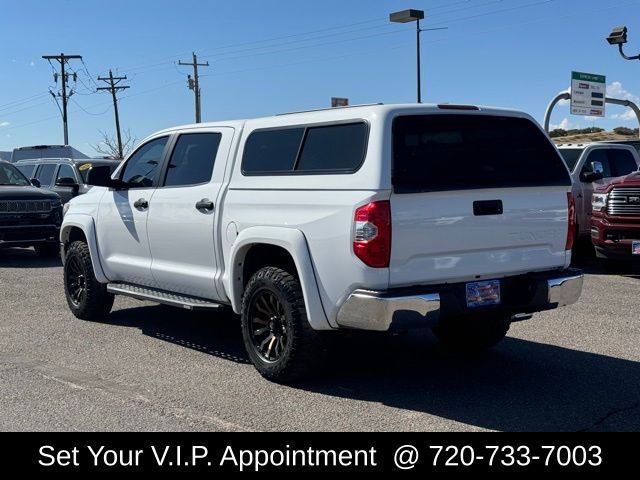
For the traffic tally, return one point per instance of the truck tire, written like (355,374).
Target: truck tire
(279,340)
(472,334)
(87,298)
(47,250)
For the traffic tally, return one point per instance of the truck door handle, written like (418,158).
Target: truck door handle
(579,195)
(204,204)
(141,204)
(488,207)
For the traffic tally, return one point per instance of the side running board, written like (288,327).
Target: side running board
(161,296)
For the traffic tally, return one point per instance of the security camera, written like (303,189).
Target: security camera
(618,36)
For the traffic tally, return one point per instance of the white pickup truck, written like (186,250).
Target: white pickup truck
(455,217)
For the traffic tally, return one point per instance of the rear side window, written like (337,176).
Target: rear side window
(269,151)
(27,170)
(192,159)
(45,173)
(466,152)
(622,162)
(306,150)
(334,148)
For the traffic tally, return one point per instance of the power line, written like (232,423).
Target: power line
(382,21)
(463,9)
(363,37)
(62,59)
(176,56)
(362,53)
(88,112)
(493,12)
(114,88)
(15,103)
(445,5)
(194,83)
(86,70)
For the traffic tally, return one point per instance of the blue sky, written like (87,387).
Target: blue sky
(272,56)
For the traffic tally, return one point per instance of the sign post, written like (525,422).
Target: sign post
(588,92)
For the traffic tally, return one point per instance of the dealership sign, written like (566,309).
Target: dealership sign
(588,92)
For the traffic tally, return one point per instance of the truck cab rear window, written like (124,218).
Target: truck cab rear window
(466,152)
(311,150)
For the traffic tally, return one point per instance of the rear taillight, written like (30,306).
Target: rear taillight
(571,233)
(372,235)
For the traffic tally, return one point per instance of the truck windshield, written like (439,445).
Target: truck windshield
(10,175)
(571,156)
(466,152)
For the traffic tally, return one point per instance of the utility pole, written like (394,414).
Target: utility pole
(62,59)
(193,83)
(113,87)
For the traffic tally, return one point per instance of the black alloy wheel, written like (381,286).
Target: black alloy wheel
(269,335)
(76,280)
(87,298)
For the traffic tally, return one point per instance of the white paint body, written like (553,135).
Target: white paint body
(436,239)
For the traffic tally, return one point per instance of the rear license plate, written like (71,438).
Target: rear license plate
(482,294)
(635,247)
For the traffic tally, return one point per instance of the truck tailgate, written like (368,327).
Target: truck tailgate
(437,237)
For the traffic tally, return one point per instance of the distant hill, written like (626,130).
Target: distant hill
(593,137)
(593,134)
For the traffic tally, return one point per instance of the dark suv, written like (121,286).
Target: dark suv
(64,176)
(29,216)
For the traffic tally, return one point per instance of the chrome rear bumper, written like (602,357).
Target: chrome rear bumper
(378,310)
(367,310)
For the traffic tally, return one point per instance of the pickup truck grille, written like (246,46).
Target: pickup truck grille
(25,206)
(624,202)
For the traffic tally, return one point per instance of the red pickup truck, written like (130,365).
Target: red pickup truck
(615,223)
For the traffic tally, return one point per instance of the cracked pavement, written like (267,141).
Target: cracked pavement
(150,367)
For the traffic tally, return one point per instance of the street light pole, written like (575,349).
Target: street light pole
(419,80)
(412,15)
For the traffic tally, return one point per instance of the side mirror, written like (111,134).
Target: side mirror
(597,168)
(589,177)
(66,182)
(100,176)
(596,173)
(35,182)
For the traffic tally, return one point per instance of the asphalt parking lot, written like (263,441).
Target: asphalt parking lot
(150,367)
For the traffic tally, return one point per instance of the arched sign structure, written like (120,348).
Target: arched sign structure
(567,96)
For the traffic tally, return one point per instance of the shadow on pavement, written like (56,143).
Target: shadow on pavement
(594,266)
(25,258)
(216,334)
(518,386)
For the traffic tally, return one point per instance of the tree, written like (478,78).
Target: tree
(558,132)
(109,144)
(625,131)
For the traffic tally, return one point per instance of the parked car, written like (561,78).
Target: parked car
(375,217)
(66,177)
(595,165)
(615,227)
(29,216)
(46,151)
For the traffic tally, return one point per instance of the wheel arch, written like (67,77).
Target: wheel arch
(82,227)
(257,247)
